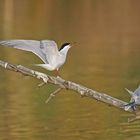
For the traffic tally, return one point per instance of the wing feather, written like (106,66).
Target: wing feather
(49,47)
(33,46)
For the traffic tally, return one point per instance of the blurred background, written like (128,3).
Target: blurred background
(105,58)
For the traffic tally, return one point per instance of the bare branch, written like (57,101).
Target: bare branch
(53,95)
(84,91)
(41,84)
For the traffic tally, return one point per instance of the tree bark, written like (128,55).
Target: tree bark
(82,90)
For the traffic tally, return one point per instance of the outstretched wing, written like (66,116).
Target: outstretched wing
(136,95)
(129,91)
(137,91)
(49,47)
(33,46)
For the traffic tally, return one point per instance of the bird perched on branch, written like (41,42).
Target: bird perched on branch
(135,99)
(46,50)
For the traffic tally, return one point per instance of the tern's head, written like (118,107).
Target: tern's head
(64,46)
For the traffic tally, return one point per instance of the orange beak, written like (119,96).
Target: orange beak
(73,44)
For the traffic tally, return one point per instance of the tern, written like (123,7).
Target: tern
(135,99)
(46,50)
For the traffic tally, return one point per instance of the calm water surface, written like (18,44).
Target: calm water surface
(105,58)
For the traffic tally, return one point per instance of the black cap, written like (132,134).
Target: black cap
(63,45)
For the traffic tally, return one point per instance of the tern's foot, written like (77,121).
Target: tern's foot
(42,76)
(130,105)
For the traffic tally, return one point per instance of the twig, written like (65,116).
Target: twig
(84,91)
(53,95)
(41,84)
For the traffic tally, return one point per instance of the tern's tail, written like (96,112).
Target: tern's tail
(45,66)
(40,65)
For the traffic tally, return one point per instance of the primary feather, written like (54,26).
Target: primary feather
(40,48)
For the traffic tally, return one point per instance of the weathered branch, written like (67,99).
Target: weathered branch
(84,91)
(53,95)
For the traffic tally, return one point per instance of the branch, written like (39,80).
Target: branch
(53,94)
(82,90)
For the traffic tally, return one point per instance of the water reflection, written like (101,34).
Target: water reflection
(105,58)
(130,129)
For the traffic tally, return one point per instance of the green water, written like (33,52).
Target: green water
(105,58)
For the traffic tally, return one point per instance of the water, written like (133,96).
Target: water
(105,58)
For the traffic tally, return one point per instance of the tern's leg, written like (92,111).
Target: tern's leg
(131,105)
(56,72)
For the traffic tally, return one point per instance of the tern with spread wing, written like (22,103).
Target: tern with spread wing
(46,50)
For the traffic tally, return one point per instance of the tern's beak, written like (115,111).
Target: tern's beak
(73,44)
